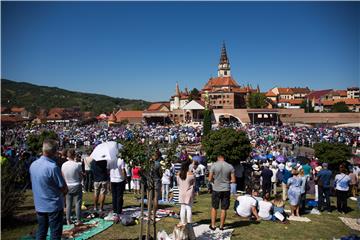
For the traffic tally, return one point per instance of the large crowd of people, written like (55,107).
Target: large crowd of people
(273,174)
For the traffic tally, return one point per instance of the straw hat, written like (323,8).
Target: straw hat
(255,167)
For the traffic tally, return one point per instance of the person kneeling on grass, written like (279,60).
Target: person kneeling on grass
(265,208)
(247,205)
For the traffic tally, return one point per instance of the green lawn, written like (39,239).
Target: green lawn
(325,226)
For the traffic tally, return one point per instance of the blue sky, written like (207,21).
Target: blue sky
(141,49)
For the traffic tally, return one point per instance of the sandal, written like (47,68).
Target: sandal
(212,228)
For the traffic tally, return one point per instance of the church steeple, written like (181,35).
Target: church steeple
(224,64)
(177,90)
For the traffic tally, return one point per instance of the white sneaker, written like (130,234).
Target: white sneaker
(110,217)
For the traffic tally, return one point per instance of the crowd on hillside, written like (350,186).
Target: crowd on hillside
(273,170)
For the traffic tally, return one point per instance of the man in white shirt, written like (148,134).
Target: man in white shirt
(117,179)
(247,205)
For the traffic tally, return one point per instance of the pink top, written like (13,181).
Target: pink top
(186,189)
(135,173)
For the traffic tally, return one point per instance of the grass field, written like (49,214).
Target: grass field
(325,226)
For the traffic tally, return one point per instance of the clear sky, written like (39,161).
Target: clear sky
(141,49)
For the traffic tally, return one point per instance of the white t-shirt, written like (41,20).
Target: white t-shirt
(246,202)
(342,182)
(72,172)
(202,169)
(166,177)
(117,171)
(264,209)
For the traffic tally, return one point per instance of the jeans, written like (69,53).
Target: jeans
(117,189)
(165,192)
(54,220)
(324,195)
(74,195)
(341,197)
(88,181)
(197,184)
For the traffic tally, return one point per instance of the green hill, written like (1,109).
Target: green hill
(34,97)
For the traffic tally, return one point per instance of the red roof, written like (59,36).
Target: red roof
(318,94)
(348,101)
(221,81)
(17,109)
(300,90)
(121,115)
(12,118)
(202,103)
(285,91)
(291,101)
(157,106)
(270,94)
(341,93)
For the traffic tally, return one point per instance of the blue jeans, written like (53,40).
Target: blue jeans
(54,220)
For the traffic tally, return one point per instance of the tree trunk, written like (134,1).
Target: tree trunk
(154,210)
(142,212)
(149,205)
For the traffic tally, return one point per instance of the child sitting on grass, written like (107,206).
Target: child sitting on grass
(279,208)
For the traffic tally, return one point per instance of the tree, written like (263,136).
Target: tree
(234,145)
(332,153)
(194,94)
(35,141)
(340,107)
(257,100)
(307,106)
(207,122)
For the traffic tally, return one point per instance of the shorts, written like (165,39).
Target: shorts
(136,183)
(100,188)
(224,197)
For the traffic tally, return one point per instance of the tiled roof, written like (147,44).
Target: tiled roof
(341,93)
(318,94)
(12,118)
(17,109)
(221,81)
(291,101)
(128,114)
(202,103)
(300,90)
(270,94)
(156,106)
(285,91)
(348,101)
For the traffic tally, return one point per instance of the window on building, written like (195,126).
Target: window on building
(225,72)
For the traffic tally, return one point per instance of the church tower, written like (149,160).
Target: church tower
(224,64)
(177,97)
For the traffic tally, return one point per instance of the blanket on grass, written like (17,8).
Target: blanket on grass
(88,230)
(351,223)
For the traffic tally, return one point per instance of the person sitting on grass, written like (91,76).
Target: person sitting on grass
(265,208)
(279,207)
(247,205)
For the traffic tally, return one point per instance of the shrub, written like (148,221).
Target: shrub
(234,145)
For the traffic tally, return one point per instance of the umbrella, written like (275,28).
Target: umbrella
(280,159)
(197,158)
(270,156)
(106,151)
